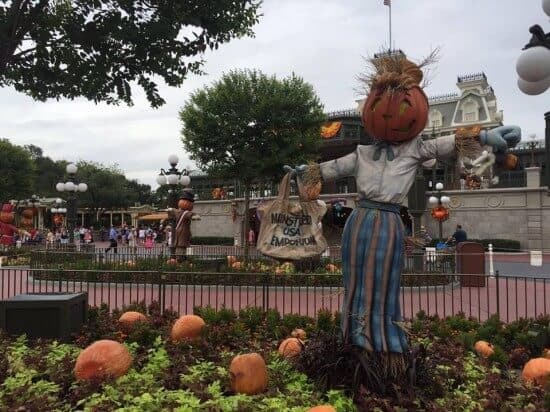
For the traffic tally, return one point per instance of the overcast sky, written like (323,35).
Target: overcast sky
(323,41)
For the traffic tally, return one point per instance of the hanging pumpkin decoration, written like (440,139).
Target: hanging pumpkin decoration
(330,129)
(217,193)
(248,374)
(536,371)
(231,260)
(187,327)
(290,348)
(101,360)
(395,115)
(510,162)
(440,213)
(484,349)
(128,319)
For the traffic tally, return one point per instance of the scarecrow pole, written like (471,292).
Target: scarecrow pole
(388,3)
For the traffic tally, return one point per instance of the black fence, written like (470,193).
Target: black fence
(478,296)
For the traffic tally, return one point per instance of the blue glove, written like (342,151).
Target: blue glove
(298,170)
(500,138)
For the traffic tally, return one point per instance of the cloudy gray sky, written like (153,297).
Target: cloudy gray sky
(323,41)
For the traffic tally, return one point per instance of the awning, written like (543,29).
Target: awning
(154,216)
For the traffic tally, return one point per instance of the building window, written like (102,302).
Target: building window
(436,119)
(470,111)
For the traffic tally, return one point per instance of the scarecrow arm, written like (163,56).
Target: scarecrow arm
(341,167)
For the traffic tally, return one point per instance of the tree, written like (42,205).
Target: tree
(248,125)
(96,49)
(47,173)
(16,171)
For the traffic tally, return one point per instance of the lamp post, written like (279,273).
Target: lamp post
(72,187)
(533,68)
(173,177)
(58,212)
(440,211)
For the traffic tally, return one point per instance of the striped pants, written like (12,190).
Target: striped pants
(372,261)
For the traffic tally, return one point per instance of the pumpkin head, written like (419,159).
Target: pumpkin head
(322,408)
(128,319)
(185,204)
(248,374)
(57,219)
(187,327)
(484,349)
(102,359)
(536,371)
(440,213)
(26,218)
(290,348)
(331,267)
(6,214)
(299,333)
(395,115)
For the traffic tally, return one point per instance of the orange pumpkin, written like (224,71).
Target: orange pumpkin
(536,371)
(172,261)
(395,116)
(440,213)
(101,360)
(299,333)
(231,260)
(187,327)
(546,353)
(484,349)
(322,408)
(248,374)
(290,348)
(185,204)
(131,263)
(128,319)
(237,265)
(331,267)
(330,129)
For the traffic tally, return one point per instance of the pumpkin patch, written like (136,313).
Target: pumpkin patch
(248,374)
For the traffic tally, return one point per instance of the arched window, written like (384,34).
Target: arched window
(470,111)
(436,118)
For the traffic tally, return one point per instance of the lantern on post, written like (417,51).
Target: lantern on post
(440,210)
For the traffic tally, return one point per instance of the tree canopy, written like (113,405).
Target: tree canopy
(248,125)
(99,49)
(16,171)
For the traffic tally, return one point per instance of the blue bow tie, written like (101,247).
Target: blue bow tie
(378,150)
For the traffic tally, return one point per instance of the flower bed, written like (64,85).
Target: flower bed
(193,376)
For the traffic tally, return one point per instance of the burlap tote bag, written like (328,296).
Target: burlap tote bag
(291,230)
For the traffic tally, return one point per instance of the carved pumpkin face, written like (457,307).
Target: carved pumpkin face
(395,116)
(185,204)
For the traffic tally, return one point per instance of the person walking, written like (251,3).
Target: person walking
(459,235)
(113,240)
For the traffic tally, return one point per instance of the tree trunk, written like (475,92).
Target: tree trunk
(246,222)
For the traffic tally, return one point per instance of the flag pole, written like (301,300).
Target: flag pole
(389,11)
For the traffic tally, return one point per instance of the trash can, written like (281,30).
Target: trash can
(470,261)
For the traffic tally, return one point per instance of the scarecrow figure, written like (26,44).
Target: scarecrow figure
(182,216)
(373,240)
(7,229)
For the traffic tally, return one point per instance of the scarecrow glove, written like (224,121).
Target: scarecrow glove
(500,138)
(296,171)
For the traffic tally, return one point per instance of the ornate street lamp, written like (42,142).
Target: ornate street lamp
(533,68)
(58,212)
(72,187)
(440,211)
(174,178)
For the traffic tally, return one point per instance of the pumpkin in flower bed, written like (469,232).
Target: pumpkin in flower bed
(187,327)
(299,333)
(237,265)
(248,374)
(231,260)
(331,267)
(536,371)
(546,353)
(322,408)
(484,349)
(290,348)
(172,262)
(102,359)
(128,319)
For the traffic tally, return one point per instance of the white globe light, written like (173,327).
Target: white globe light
(60,187)
(54,210)
(534,88)
(533,64)
(173,159)
(546,6)
(161,180)
(439,186)
(433,200)
(58,200)
(71,168)
(82,187)
(63,210)
(185,180)
(445,200)
(172,179)
(69,186)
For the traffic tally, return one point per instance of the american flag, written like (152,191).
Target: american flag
(387,3)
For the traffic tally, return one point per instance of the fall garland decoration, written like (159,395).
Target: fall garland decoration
(440,213)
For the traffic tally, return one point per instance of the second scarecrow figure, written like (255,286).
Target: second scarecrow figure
(182,216)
